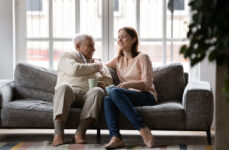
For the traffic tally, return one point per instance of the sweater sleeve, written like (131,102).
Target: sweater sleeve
(147,72)
(69,65)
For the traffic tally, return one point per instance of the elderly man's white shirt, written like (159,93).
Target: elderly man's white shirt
(73,70)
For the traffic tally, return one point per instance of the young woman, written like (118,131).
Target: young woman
(136,88)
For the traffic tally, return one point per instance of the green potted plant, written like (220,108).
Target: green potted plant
(209,34)
(209,37)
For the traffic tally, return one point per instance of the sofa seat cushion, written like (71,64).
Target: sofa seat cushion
(27,113)
(32,113)
(169,115)
(169,82)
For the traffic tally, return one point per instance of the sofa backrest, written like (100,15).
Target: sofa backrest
(170,81)
(37,82)
(34,82)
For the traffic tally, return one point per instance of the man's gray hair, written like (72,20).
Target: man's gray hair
(77,38)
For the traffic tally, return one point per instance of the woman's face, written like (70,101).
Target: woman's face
(125,41)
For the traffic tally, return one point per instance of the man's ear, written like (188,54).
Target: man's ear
(77,46)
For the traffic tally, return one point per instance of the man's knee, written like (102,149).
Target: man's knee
(64,87)
(63,93)
(97,91)
(96,95)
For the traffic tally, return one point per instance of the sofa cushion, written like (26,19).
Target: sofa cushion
(30,79)
(34,113)
(169,82)
(34,82)
(38,83)
(168,115)
(27,113)
(114,76)
(25,92)
(32,76)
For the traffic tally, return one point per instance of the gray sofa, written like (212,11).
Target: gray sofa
(26,102)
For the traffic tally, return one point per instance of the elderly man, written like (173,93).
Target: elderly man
(74,70)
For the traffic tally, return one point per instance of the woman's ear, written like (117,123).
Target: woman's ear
(134,40)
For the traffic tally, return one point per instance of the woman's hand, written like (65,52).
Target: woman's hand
(125,85)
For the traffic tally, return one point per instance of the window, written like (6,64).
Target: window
(117,8)
(48,33)
(34,5)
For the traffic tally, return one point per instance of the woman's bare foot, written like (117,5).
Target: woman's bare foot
(58,140)
(147,137)
(80,139)
(115,142)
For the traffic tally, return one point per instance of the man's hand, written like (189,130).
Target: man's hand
(101,84)
(125,85)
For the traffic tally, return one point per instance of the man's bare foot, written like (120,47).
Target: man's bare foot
(147,137)
(80,139)
(115,142)
(58,140)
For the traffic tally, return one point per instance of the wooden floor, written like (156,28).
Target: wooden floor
(130,137)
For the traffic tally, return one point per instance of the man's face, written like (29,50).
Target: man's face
(86,47)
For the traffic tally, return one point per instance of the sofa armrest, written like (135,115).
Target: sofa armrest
(198,105)
(6,91)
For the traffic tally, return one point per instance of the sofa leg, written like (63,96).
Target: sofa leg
(98,135)
(209,136)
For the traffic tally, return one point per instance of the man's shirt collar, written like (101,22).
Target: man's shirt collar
(82,56)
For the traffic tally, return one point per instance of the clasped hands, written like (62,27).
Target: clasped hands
(98,61)
(125,85)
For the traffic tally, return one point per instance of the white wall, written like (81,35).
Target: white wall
(208,73)
(6,39)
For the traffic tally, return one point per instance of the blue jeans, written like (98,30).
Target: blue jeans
(124,100)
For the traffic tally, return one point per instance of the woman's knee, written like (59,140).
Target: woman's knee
(106,100)
(115,91)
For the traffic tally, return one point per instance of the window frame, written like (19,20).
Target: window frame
(107,38)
